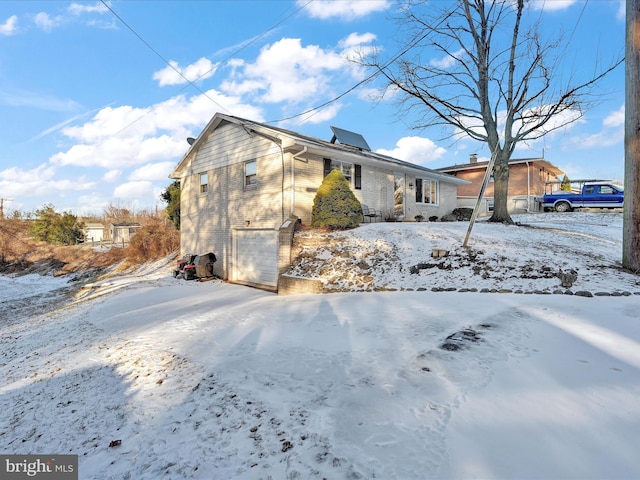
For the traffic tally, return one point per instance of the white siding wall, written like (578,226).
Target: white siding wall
(308,173)
(446,205)
(377,189)
(208,219)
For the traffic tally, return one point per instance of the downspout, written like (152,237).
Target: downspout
(528,188)
(293,177)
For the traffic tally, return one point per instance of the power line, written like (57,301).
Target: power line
(380,69)
(161,57)
(258,37)
(386,65)
(190,82)
(346,92)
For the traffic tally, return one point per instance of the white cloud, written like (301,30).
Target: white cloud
(417,150)
(621,14)
(39,182)
(176,75)
(285,71)
(614,119)
(80,9)
(448,61)
(45,22)
(63,124)
(119,153)
(559,123)
(10,26)
(122,137)
(372,94)
(92,204)
(356,40)
(153,171)
(322,115)
(112,175)
(356,47)
(298,76)
(551,5)
(612,133)
(562,122)
(343,9)
(139,189)
(75,12)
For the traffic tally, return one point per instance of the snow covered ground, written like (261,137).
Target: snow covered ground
(501,257)
(217,381)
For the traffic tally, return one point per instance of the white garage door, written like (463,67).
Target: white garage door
(256,257)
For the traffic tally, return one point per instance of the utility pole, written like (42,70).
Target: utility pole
(631,222)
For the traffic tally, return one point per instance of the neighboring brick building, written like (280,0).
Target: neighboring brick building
(527,177)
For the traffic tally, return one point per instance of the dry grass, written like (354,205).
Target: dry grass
(156,239)
(19,253)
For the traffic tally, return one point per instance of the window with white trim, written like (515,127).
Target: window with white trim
(204,182)
(250,173)
(427,191)
(345,167)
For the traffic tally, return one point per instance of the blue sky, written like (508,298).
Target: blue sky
(93,112)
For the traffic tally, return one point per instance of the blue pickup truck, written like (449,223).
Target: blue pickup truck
(591,195)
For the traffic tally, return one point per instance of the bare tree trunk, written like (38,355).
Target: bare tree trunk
(501,189)
(631,226)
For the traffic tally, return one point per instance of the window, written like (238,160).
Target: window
(204,182)
(250,177)
(489,205)
(357,181)
(427,191)
(345,167)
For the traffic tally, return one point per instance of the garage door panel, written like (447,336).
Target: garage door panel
(256,257)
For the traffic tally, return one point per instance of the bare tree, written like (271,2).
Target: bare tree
(481,69)
(118,212)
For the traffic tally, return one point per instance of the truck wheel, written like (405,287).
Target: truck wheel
(563,207)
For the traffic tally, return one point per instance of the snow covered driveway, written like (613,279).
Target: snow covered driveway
(216,381)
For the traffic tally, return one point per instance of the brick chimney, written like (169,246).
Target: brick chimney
(473,158)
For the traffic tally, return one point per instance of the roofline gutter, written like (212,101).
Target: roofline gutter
(379,162)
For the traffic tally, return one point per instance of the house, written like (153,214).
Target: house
(527,177)
(93,232)
(243,184)
(123,231)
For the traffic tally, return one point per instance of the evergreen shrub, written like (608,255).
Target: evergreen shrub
(335,206)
